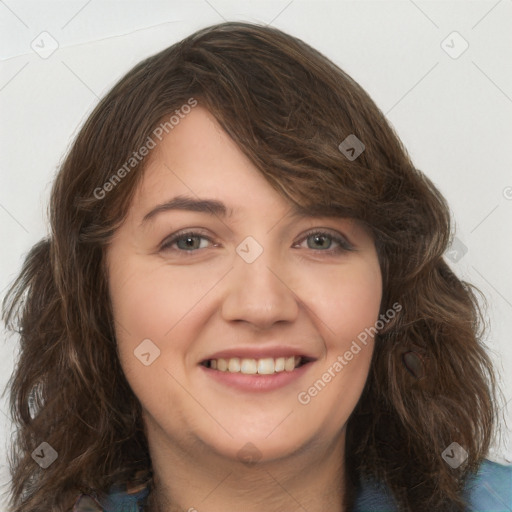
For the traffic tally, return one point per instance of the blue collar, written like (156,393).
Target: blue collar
(489,490)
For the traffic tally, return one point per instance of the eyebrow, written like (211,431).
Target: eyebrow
(210,206)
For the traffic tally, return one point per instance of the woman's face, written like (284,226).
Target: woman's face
(255,288)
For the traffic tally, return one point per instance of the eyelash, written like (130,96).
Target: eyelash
(343,244)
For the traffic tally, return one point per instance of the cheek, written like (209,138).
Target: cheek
(146,307)
(150,300)
(348,307)
(346,299)
(166,306)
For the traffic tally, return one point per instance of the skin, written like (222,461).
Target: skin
(193,303)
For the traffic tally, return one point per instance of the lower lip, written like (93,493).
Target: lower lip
(256,382)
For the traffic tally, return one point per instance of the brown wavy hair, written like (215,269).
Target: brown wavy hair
(287,107)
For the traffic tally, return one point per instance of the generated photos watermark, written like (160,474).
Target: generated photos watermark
(305,397)
(139,155)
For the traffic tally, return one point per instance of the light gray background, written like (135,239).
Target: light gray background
(453,114)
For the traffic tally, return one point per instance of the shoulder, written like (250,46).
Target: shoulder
(488,490)
(119,499)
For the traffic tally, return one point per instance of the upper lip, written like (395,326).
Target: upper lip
(259,353)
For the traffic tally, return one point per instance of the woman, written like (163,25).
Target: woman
(243,303)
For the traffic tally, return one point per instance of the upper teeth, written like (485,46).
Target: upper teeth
(264,366)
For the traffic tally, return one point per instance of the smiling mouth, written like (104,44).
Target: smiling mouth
(263,366)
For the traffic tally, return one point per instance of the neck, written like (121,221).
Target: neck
(312,479)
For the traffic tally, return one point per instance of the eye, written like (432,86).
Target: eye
(322,240)
(318,240)
(189,241)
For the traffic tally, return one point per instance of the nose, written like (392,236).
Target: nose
(258,293)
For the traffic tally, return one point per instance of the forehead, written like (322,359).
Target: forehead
(198,167)
(197,158)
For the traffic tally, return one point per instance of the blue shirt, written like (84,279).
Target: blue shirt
(489,490)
